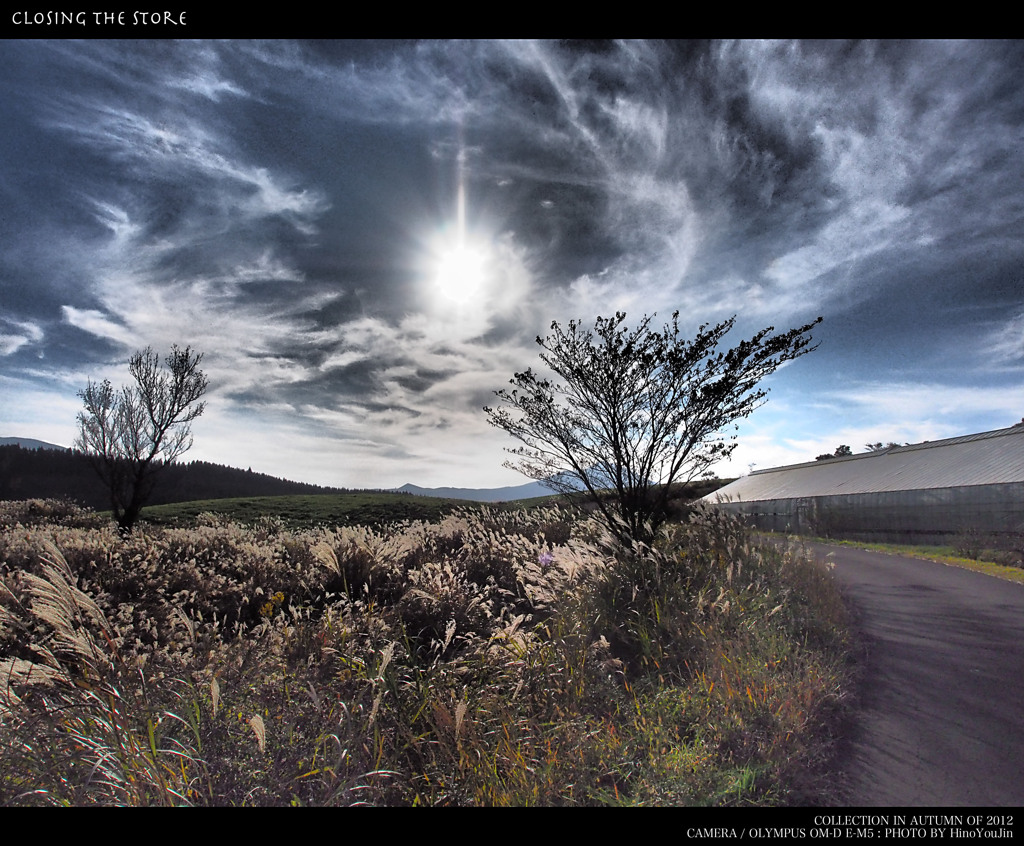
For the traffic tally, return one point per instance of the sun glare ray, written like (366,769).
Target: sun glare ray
(461,262)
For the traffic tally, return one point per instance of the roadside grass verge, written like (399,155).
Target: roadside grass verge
(492,657)
(983,563)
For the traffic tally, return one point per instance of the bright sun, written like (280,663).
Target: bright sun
(460,272)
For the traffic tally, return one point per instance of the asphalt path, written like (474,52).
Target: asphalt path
(939,711)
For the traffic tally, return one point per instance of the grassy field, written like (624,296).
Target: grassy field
(357,508)
(492,656)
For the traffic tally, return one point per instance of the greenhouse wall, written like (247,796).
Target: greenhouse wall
(926,516)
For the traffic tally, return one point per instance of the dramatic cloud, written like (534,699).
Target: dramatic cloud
(365,238)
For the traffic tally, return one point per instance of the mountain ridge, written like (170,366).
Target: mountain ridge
(503,494)
(30,443)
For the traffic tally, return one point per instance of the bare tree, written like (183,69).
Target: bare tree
(637,411)
(133,432)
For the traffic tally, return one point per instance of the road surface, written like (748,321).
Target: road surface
(939,719)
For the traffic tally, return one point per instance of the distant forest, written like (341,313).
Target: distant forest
(66,474)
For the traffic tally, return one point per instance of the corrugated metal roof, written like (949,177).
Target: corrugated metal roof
(987,458)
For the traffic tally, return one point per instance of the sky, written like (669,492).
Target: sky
(365,238)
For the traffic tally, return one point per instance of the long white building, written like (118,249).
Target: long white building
(921,493)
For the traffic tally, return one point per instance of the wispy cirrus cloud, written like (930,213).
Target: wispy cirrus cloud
(17,334)
(1006,344)
(286,206)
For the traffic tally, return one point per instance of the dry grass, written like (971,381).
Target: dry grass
(492,658)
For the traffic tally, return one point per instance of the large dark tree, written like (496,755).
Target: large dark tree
(132,433)
(636,411)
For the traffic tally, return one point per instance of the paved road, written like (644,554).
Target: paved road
(940,714)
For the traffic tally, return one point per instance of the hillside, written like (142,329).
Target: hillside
(29,443)
(53,473)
